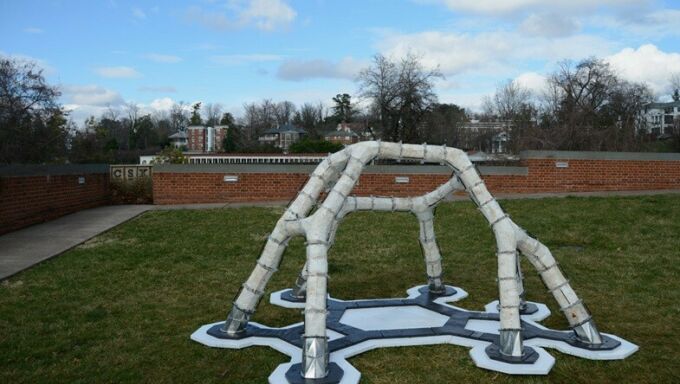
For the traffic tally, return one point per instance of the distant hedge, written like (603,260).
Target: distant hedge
(314,146)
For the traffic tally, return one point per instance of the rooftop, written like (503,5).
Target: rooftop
(284,128)
(664,105)
(178,135)
(341,133)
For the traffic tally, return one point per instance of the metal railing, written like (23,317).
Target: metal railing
(255,159)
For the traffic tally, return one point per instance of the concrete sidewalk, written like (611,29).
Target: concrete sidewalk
(29,246)
(26,247)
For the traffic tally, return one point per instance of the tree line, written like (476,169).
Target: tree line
(585,106)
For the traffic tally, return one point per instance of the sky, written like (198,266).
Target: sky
(103,54)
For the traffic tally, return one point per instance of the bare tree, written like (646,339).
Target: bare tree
(284,112)
(380,84)
(310,118)
(401,93)
(213,113)
(111,113)
(675,86)
(33,126)
(130,122)
(267,114)
(257,118)
(512,105)
(179,116)
(588,107)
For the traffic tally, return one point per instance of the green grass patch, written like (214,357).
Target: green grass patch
(121,307)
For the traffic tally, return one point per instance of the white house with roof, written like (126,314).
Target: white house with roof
(178,139)
(282,136)
(497,132)
(661,118)
(343,134)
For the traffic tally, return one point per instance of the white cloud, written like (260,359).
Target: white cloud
(244,58)
(266,15)
(647,25)
(298,70)
(646,64)
(535,82)
(471,100)
(159,58)
(452,52)
(83,101)
(92,95)
(492,53)
(548,25)
(163,104)
(33,30)
(78,112)
(575,47)
(117,72)
(138,13)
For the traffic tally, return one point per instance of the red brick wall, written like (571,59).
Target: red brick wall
(196,139)
(220,134)
(598,175)
(184,188)
(26,200)
(543,176)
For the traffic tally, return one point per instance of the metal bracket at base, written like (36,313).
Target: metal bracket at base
(294,375)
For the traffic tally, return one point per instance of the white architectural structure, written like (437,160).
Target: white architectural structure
(662,118)
(501,334)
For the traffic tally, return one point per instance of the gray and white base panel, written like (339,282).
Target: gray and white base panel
(358,326)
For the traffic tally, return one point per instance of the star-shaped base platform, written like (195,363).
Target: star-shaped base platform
(357,326)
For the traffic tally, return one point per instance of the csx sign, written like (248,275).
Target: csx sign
(129,172)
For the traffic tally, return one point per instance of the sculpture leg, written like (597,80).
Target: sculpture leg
(253,289)
(510,341)
(433,259)
(508,288)
(315,343)
(574,310)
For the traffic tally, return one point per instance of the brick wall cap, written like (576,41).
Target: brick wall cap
(12,170)
(593,155)
(307,169)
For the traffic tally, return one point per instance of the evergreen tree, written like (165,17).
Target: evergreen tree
(196,114)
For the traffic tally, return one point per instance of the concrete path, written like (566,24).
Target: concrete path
(29,246)
(26,247)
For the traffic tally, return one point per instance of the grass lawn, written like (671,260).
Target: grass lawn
(121,307)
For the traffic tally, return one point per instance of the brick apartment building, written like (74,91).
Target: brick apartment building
(205,139)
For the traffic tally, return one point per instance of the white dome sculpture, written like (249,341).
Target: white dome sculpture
(337,175)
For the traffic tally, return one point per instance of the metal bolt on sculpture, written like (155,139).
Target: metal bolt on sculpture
(506,337)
